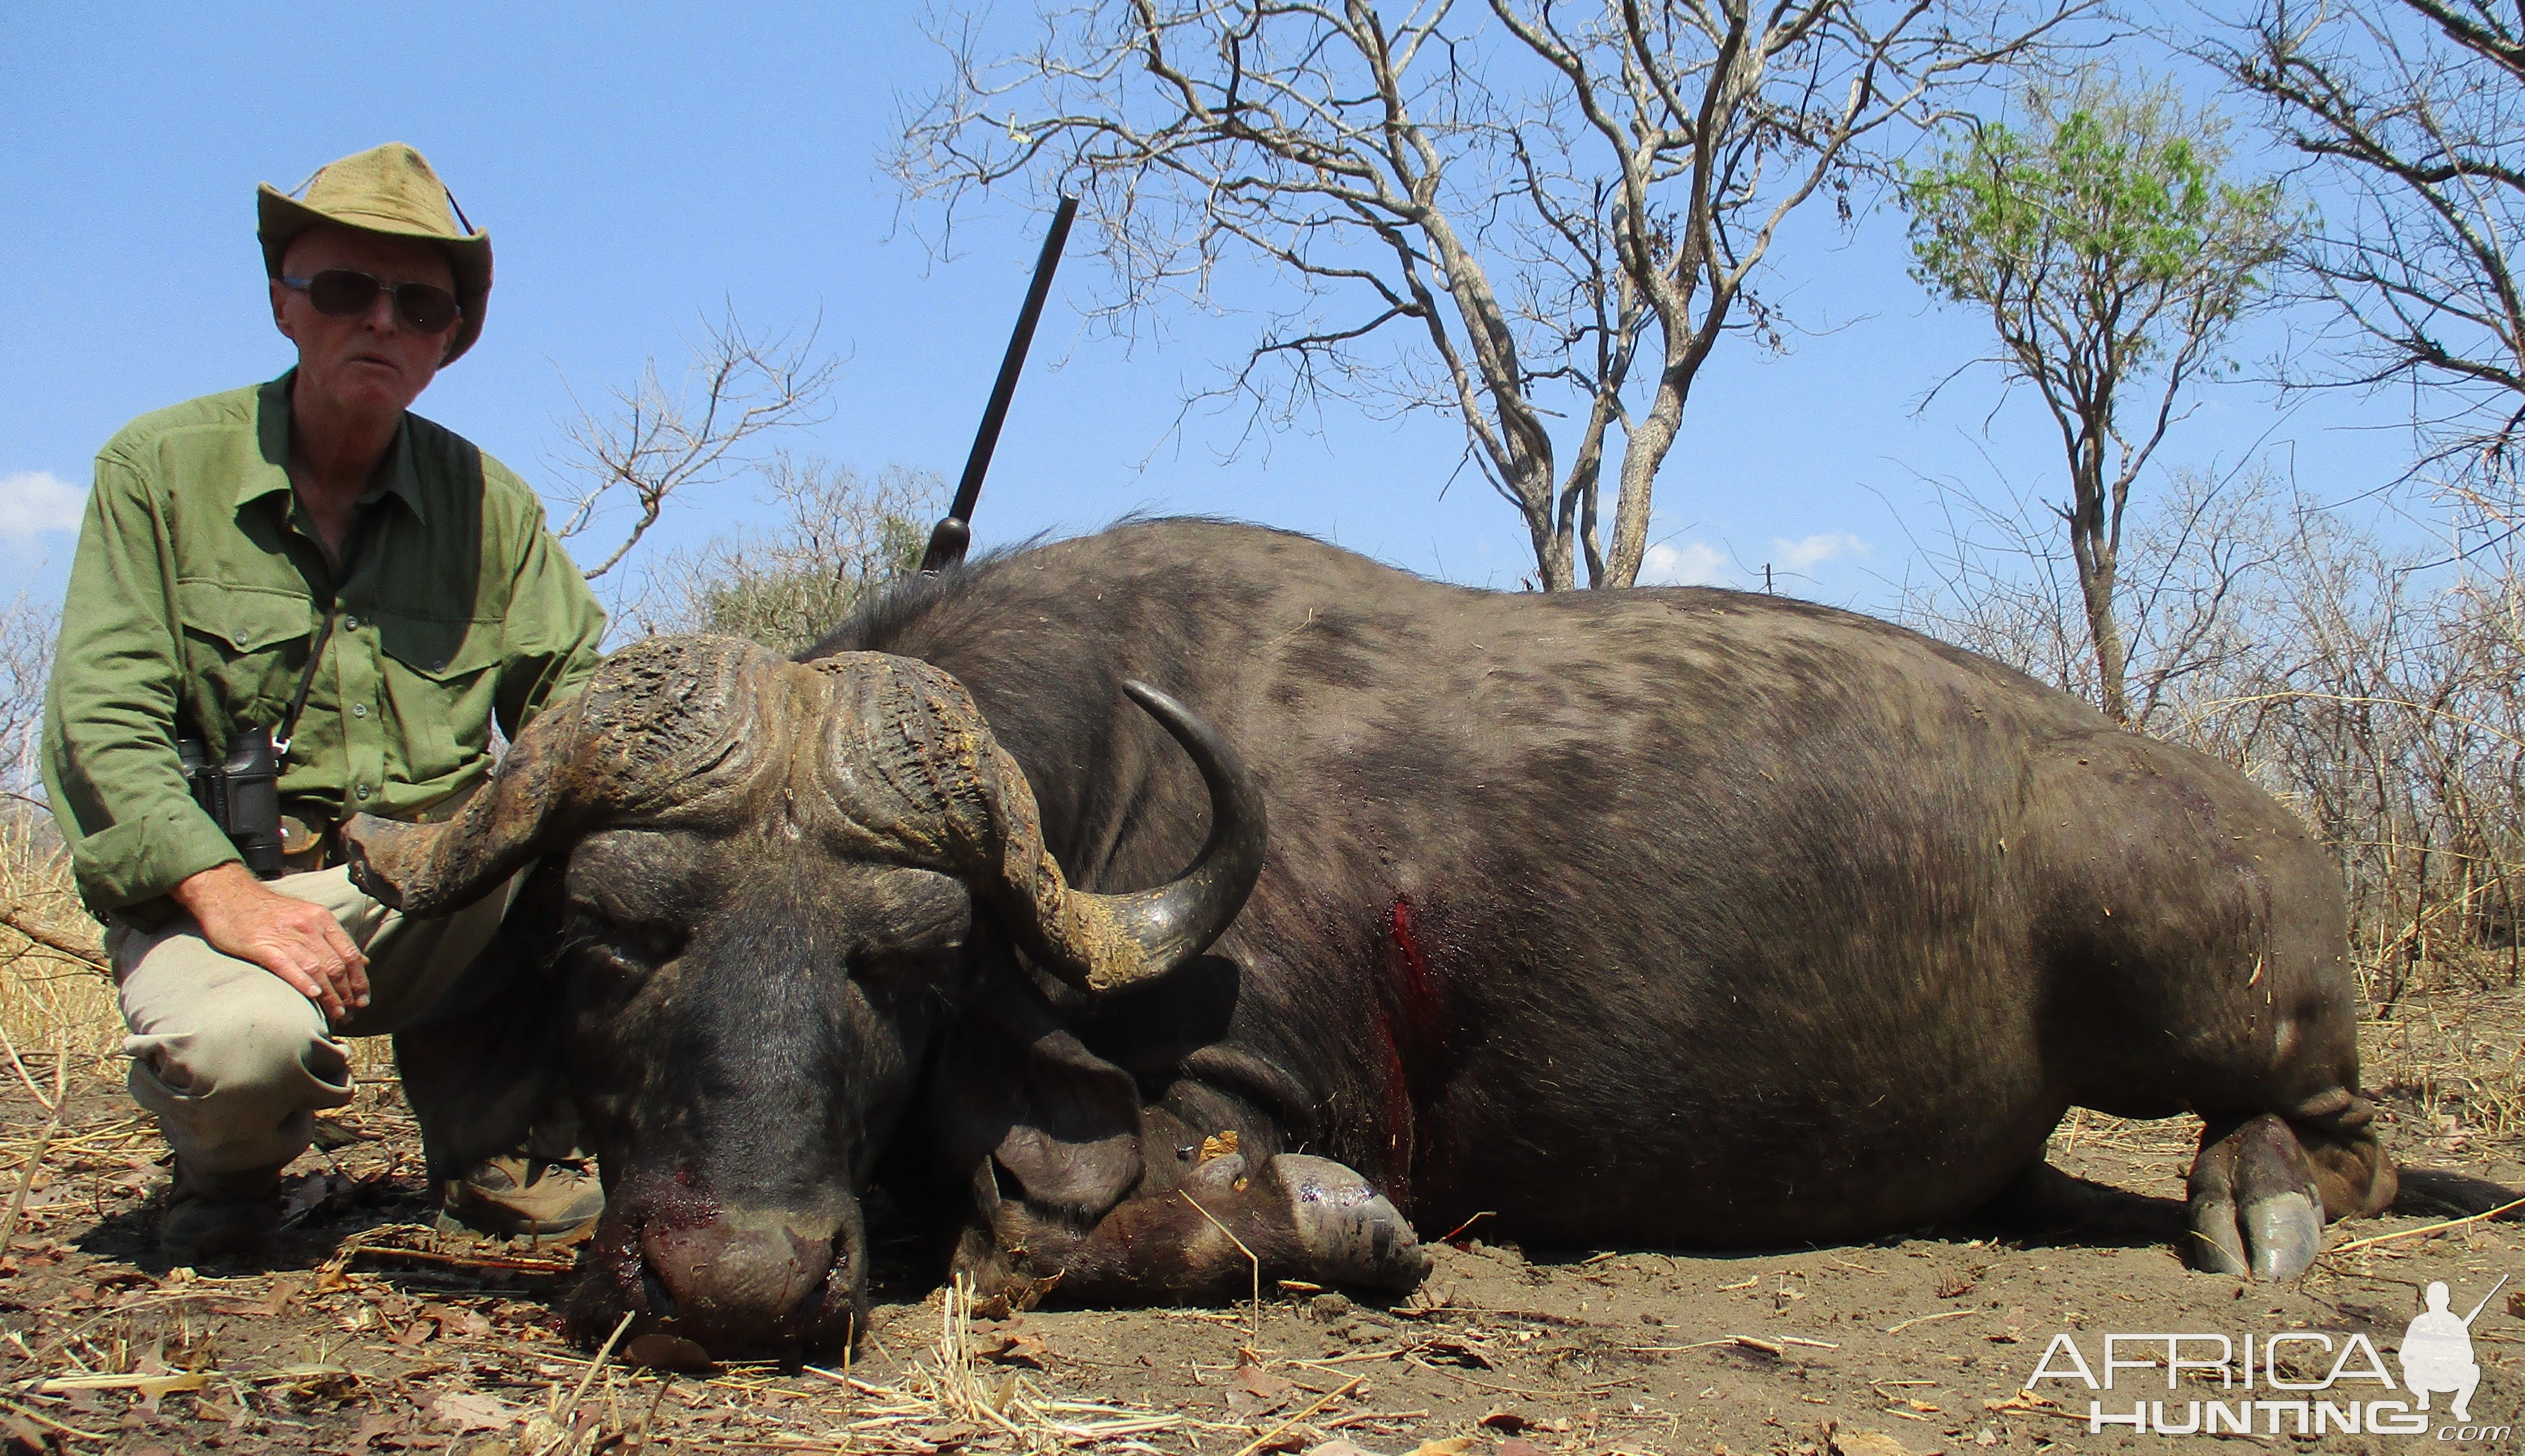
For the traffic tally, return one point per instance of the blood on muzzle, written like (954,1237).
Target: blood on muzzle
(737,1280)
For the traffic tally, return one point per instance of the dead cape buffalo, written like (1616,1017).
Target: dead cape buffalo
(1670,917)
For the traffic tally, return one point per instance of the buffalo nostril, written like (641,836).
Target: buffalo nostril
(661,1303)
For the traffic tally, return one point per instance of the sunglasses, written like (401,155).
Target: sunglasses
(341,292)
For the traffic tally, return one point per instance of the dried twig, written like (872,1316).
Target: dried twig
(60,943)
(40,1419)
(1948,1314)
(22,1075)
(1240,1248)
(2425,1230)
(44,1141)
(603,1352)
(507,1263)
(1330,1397)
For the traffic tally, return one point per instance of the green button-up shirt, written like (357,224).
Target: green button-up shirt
(196,593)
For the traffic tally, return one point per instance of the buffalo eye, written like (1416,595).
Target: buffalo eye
(630,944)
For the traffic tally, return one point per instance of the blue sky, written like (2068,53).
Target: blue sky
(640,166)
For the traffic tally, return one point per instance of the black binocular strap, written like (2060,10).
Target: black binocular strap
(282,735)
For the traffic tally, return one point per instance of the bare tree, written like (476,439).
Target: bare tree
(2373,693)
(651,442)
(2414,111)
(2111,259)
(2001,579)
(27,632)
(1510,213)
(838,535)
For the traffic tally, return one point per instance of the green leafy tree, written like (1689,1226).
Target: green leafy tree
(2113,260)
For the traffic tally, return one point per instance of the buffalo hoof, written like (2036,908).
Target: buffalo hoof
(2255,1209)
(1354,1235)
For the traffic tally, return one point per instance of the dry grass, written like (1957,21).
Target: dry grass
(47,991)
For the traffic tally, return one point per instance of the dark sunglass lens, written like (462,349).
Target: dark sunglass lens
(339,291)
(426,310)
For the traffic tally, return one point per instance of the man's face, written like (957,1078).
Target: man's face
(365,362)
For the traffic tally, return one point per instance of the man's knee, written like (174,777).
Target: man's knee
(252,1051)
(231,1058)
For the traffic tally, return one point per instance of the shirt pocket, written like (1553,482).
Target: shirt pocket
(440,676)
(245,642)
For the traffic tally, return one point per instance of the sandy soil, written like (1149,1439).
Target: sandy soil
(1914,1344)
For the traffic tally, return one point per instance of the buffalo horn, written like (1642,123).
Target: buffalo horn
(662,723)
(434,869)
(927,773)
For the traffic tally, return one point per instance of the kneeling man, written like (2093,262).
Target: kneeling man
(305,558)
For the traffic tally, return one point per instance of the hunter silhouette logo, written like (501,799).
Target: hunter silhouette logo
(2437,1351)
(2299,1382)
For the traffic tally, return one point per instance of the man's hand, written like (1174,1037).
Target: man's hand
(300,943)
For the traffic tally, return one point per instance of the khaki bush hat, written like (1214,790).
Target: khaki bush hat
(391,190)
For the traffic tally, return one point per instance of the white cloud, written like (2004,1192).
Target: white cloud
(37,501)
(1695,564)
(1798,555)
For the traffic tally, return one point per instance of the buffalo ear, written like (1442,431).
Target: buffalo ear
(1019,1089)
(481,1069)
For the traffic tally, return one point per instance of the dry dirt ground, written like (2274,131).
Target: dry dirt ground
(376,1335)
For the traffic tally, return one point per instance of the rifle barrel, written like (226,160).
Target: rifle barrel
(947,543)
(2485,1300)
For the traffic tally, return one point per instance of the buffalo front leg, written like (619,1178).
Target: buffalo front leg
(1206,1238)
(2264,1187)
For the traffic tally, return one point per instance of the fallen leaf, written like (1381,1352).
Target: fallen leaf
(1508,1421)
(1220,1146)
(1867,1443)
(1444,1351)
(334,1134)
(1254,1379)
(2022,1400)
(1517,1445)
(1454,1445)
(1015,1347)
(474,1412)
(1339,1446)
(378,1428)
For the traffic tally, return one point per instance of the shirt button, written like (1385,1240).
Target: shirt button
(438,666)
(351,622)
(358,709)
(361,790)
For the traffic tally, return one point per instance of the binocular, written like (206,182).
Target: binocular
(240,790)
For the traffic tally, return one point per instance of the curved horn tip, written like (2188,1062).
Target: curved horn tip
(366,839)
(1168,926)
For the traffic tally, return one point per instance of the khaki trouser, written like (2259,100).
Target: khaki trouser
(234,1060)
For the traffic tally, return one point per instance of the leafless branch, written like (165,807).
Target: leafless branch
(651,442)
(1516,213)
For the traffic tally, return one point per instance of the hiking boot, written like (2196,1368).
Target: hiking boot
(216,1215)
(517,1196)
